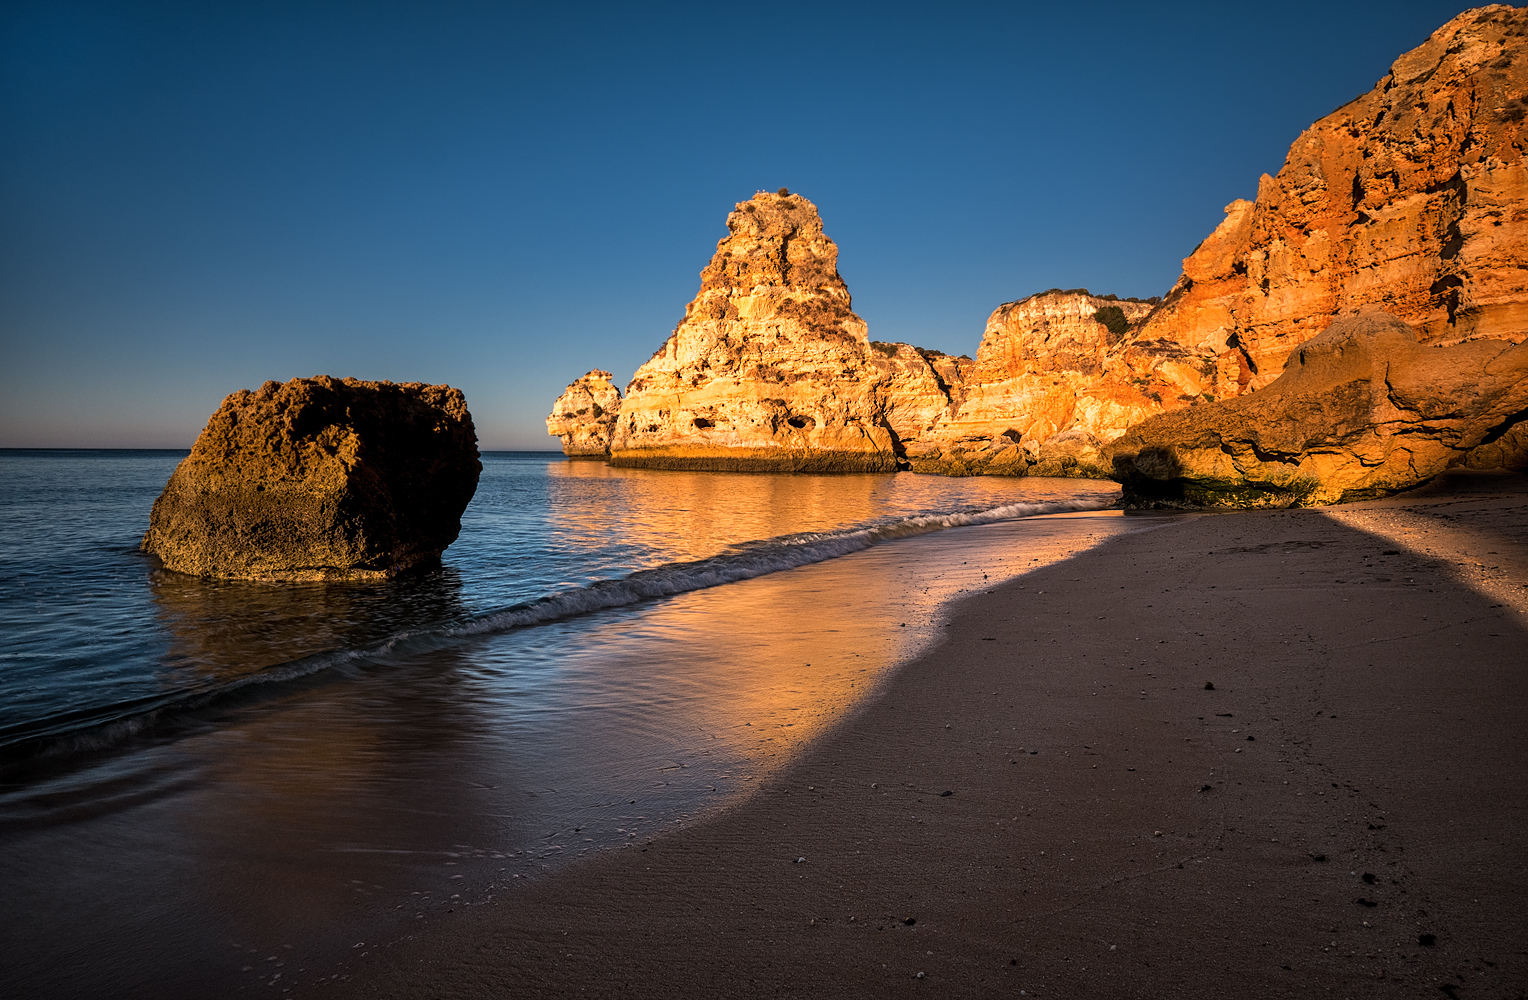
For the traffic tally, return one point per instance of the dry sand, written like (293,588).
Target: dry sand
(1055,802)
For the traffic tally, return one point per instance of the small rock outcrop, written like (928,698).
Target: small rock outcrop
(584,415)
(770,369)
(1363,410)
(320,479)
(1037,400)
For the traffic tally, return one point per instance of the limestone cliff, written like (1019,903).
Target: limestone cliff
(1412,198)
(1362,410)
(320,479)
(1036,401)
(916,390)
(770,369)
(584,415)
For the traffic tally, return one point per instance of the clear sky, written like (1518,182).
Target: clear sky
(197,197)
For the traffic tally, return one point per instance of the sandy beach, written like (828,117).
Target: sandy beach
(1273,753)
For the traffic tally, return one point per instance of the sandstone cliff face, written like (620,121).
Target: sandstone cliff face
(1036,400)
(320,478)
(770,369)
(1363,410)
(1412,198)
(916,390)
(584,416)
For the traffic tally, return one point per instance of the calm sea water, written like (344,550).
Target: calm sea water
(210,784)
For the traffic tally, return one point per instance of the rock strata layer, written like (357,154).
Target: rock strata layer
(1363,410)
(319,479)
(770,369)
(584,415)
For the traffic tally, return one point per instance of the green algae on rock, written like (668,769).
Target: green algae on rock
(320,479)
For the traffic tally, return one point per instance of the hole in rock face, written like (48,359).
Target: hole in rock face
(702,423)
(801,422)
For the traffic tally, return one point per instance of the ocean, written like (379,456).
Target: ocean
(212,782)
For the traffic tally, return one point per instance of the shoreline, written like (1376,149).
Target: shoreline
(1050,800)
(266,843)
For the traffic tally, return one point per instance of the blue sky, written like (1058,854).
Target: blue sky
(195,198)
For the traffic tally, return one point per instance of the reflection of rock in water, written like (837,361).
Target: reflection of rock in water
(702,513)
(224,629)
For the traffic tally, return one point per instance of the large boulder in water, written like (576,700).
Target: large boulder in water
(1362,410)
(320,479)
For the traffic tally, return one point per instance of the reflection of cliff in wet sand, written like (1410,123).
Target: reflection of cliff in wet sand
(702,513)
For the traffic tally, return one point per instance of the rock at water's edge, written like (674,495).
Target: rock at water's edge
(1412,198)
(320,479)
(1362,410)
(585,414)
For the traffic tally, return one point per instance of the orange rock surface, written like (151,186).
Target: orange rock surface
(1363,410)
(770,369)
(1412,198)
(1035,400)
(320,479)
(584,415)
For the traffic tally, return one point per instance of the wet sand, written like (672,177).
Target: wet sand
(1266,754)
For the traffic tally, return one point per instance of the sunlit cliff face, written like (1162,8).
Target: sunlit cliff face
(1408,198)
(770,367)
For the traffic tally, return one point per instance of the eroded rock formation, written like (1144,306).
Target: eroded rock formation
(584,415)
(770,369)
(1362,410)
(916,391)
(1412,198)
(320,478)
(1036,401)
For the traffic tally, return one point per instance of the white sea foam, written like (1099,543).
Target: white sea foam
(746,561)
(109,724)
